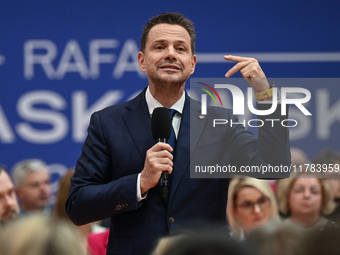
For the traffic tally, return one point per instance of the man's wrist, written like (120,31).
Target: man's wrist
(267,94)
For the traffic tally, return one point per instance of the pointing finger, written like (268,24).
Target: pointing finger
(235,58)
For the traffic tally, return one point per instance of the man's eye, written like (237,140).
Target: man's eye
(159,47)
(181,49)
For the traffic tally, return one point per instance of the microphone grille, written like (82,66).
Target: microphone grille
(161,123)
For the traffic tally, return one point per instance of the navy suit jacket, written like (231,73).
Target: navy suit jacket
(104,183)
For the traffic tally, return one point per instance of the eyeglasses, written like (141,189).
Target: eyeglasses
(248,206)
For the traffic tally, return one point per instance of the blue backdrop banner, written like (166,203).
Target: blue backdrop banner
(62,60)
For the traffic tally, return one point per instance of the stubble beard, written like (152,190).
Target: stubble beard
(15,215)
(169,80)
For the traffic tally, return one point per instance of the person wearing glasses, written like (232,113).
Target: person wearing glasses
(251,203)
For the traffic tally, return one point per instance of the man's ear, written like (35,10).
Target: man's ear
(141,61)
(193,64)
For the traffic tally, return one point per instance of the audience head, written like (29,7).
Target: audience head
(166,243)
(251,203)
(39,235)
(9,207)
(32,182)
(276,239)
(199,244)
(330,159)
(59,211)
(322,242)
(304,194)
(298,156)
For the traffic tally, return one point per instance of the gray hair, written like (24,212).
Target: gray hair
(23,168)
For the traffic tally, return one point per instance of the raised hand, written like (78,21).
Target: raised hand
(251,71)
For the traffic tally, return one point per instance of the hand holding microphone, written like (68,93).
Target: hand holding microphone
(161,131)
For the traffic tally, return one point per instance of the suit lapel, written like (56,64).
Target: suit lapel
(138,123)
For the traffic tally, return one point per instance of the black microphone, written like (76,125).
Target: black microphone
(161,131)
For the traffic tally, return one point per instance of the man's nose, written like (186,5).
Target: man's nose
(45,187)
(170,54)
(9,201)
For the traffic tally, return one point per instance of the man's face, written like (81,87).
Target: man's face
(8,200)
(168,58)
(35,191)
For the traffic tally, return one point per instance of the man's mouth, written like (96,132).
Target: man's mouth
(44,198)
(168,66)
(8,213)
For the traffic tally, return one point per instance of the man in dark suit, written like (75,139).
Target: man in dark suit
(117,173)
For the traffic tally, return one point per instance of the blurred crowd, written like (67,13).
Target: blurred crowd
(297,215)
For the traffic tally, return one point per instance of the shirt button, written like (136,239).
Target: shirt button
(118,207)
(171,220)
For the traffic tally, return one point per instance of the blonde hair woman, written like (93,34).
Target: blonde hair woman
(251,203)
(59,211)
(40,235)
(305,198)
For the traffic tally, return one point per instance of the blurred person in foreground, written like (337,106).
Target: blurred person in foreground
(32,183)
(329,160)
(322,242)
(200,244)
(39,235)
(305,199)
(9,207)
(59,211)
(251,203)
(276,239)
(166,243)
